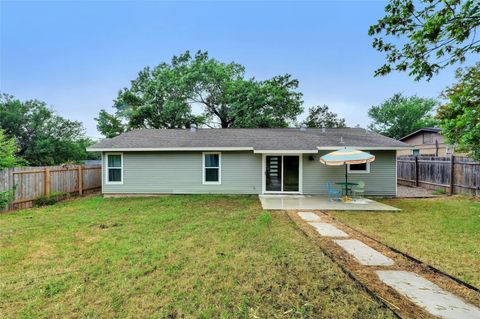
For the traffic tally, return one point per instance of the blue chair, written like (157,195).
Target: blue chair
(332,192)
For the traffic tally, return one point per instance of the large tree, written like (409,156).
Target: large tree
(428,35)
(399,116)
(460,116)
(163,97)
(44,138)
(321,116)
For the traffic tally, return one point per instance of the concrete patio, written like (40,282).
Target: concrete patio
(313,202)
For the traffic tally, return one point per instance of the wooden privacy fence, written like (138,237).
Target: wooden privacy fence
(453,174)
(31,183)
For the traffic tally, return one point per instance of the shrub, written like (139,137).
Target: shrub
(439,191)
(6,197)
(49,200)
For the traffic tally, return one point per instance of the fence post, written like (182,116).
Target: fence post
(416,170)
(452,174)
(80,180)
(46,181)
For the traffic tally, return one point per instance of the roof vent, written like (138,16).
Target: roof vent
(303,128)
(193,128)
(341,140)
(323,130)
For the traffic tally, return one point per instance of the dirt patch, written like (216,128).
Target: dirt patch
(366,274)
(105,226)
(415,192)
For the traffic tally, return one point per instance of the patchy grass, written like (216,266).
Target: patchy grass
(444,232)
(168,257)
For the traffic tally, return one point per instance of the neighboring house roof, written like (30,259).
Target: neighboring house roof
(425,129)
(258,140)
(92,162)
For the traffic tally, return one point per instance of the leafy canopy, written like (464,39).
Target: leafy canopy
(320,116)
(399,116)
(43,137)
(163,97)
(430,35)
(460,116)
(8,150)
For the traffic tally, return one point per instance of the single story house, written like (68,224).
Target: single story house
(242,161)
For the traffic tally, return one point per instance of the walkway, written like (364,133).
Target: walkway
(410,289)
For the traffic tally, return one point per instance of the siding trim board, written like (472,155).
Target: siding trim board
(242,172)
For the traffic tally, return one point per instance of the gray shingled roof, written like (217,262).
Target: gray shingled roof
(258,139)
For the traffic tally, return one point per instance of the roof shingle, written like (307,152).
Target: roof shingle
(257,139)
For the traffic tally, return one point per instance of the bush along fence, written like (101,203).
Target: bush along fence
(454,174)
(23,187)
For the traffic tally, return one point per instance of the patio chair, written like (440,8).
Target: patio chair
(332,192)
(359,189)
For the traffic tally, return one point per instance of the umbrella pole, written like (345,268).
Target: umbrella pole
(346,181)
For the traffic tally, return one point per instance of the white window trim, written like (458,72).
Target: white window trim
(359,172)
(107,182)
(219,168)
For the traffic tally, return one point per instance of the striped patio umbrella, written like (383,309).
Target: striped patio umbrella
(346,156)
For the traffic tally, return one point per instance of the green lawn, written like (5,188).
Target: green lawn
(444,232)
(168,257)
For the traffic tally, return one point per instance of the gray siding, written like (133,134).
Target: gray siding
(380,181)
(181,173)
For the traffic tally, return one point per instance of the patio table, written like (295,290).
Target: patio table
(347,186)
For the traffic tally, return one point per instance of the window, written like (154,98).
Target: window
(212,168)
(427,138)
(359,168)
(416,152)
(114,168)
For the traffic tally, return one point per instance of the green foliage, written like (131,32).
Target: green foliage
(163,97)
(399,116)
(460,116)
(49,200)
(320,116)
(439,191)
(109,124)
(265,218)
(6,197)
(434,34)
(8,149)
(44,138)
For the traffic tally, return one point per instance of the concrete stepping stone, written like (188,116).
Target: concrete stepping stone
(328,230)
(363,253)
(429,296)
(309,217)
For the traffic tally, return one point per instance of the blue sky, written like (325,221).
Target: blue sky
(77,55)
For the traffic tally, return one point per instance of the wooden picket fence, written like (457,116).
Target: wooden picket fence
(454,174)
(31,183)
